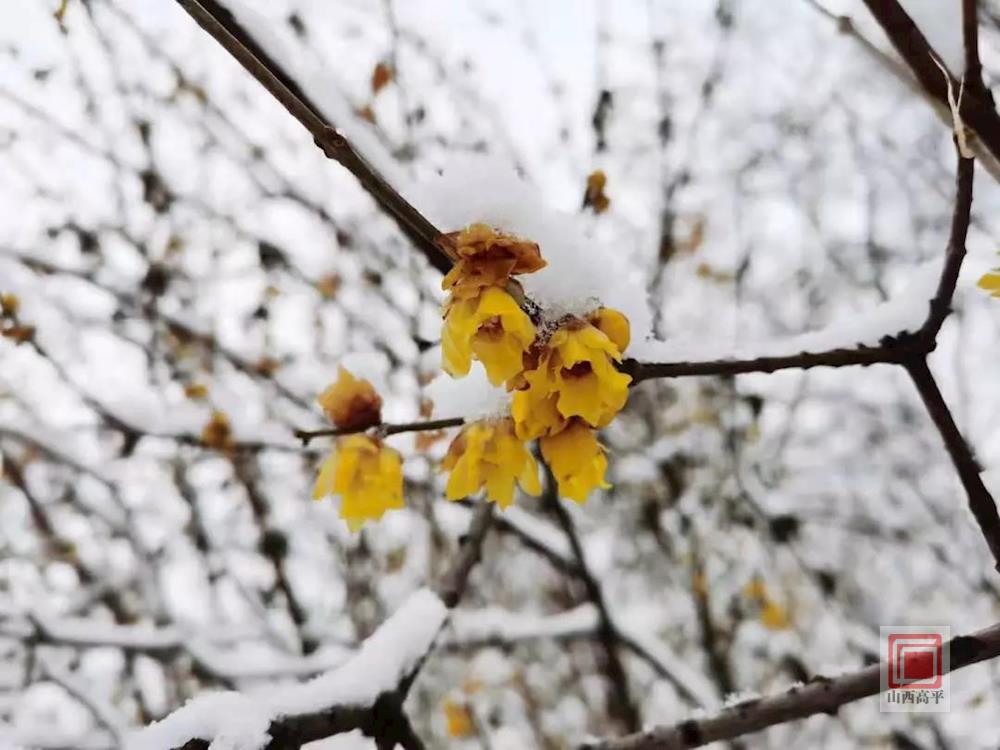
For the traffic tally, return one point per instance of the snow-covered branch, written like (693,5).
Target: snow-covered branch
(340,700)
(819,695)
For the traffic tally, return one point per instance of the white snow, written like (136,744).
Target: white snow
(582,273)
(471,397)
(635,625)
(240,721)
(905,312)
(497,624)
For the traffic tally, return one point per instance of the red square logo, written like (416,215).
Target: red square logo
(915,661)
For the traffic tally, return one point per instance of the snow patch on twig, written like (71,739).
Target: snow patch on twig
(240,721)
(904,313)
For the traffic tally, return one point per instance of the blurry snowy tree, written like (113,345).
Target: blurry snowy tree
(184,272)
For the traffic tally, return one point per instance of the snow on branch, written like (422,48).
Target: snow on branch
(819,695)
(874,336)
(249,720)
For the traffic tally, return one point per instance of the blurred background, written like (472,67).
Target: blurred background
(178,246)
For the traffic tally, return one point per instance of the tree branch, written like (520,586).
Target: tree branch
(981,502)
(620,704)
(384,718)
(954,254)
(820,695)
(891,353)
(452,584)
(214,18)
(900,349)
(977,108)
(382,429)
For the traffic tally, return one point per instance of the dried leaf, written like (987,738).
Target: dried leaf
(381,77)
(594,196)
(329,285)
(196,391)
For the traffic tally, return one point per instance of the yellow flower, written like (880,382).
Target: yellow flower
(367,475)
(351,403)
(612,324)
(535,411)
(991,283)
(488,454)
(578,365)
(486,258)
(576,459)
(458,718)
(774,617)
(489,327)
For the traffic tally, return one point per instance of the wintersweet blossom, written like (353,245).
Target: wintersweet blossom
(368,476)
(577,460)
(490,327)
(351,403)
(535,410)
(612,324)
(487,258)
(489,455)
(991,283)
(577,365)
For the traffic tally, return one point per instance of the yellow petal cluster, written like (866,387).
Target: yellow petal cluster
(481,319)
(489,455)
(351,403)
(490,327)
(577,460)
(771,614)
(566,386)
(487,257)
(991,283)
(575,377)
(367,475)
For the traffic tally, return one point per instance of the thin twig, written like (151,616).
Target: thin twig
(383,429)
(453,582)
(954,255)
(620,703)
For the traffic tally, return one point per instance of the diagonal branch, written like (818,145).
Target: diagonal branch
(306,436)
(818,696)
(214,18)
(977,108)
(620,703)
(377,715)
(981,502)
